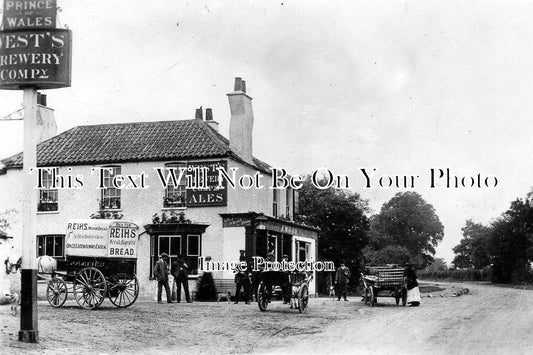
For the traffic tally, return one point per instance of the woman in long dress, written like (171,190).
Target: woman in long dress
(413,293)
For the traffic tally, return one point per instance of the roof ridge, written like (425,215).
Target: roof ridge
(213,134)
(134,123)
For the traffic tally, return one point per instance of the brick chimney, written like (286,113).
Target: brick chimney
(209,119)
(242,121)
(46,121)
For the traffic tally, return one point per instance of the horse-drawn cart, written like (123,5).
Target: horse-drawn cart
(385,281)
(295,283)
(100,261)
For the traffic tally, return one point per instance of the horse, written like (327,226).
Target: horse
(45,264)
(13,263)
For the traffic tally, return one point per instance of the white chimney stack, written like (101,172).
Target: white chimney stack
(46,121)
(209,119)
(242,121)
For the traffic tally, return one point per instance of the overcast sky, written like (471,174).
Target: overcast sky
(401,86)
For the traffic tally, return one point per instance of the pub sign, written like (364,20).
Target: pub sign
(33,53)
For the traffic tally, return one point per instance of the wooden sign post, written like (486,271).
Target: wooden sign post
(33,55)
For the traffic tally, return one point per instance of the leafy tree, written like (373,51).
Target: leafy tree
(511,243)
(407,221)
(473,250)
(390,254)
(5,217)
(437,265)
(341,217)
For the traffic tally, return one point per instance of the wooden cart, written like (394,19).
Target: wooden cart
(296,282)
(100,261)
(384,281)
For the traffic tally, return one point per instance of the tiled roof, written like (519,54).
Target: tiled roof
(127,142)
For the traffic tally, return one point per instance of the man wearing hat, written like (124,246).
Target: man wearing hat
(161,272)
(342,277)
(242,280)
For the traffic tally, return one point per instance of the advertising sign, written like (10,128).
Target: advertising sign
(101,238)
(29,14)
(39,58)
(205,177)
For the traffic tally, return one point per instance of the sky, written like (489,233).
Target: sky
(397,86)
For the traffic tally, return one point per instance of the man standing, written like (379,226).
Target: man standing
(286,282)
(342,277)
(161,272)
(179,271)
(242,280)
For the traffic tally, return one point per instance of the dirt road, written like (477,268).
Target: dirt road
(487,320)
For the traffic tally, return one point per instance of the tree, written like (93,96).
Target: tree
(473,249)
(5,218)
(341,217)
(511,243)
(407,221)
(439,264)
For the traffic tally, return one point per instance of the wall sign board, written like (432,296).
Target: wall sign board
(29,14)
(38,58)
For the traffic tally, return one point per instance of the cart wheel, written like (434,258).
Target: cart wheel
(303,298)
(404,297)
(56,292)
(372,295)
(366,297)
(90,288)
(262,296)
(123,292)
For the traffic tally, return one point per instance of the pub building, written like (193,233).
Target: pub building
(216,220)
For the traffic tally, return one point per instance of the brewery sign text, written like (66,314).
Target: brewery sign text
(40,58)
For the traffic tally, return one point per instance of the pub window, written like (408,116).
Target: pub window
(110,194)
(48,195)
(193,251)
(302,250)
(176,194)
(51,245)
(288,197)
(295,202)
(272,246)
(174,245)
(275,202)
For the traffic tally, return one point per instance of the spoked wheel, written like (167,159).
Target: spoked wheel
(372,295)
(303,298)
(56,292)
(123,292)
(366,297)
(262,296)
(90,288)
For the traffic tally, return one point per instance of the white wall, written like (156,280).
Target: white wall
(138,206)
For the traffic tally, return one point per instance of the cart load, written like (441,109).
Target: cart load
(100,261)
(385,281)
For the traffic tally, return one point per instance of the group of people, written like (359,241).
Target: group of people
(179,270)
(244,281)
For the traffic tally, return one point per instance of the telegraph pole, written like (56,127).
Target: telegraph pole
(27,37)
(28,306)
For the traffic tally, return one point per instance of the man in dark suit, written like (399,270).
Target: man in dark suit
(342,277)
(181,276)
(242,280)
(161,272)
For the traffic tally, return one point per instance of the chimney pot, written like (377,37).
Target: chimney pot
(199,114)
(238,84)
(209,114)
(242,121)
